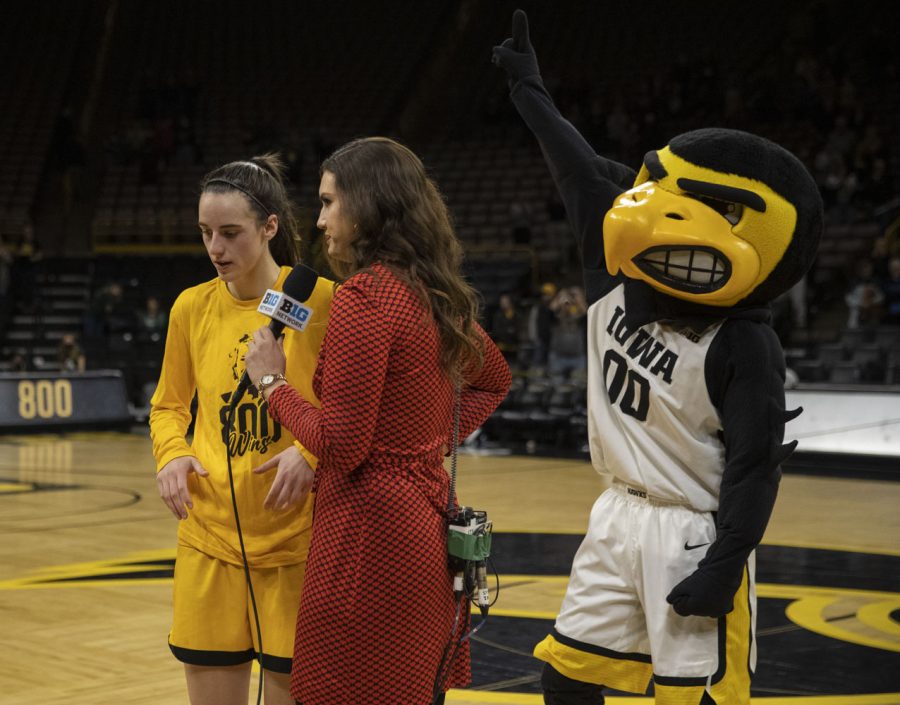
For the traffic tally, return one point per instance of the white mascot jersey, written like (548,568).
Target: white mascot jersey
(651,423)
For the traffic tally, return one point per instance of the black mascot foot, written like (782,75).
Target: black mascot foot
(562,690)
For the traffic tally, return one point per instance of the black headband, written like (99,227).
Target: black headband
(243,190)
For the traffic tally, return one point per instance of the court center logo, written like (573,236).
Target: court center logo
(837,623)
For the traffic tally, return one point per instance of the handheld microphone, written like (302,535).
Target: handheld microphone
(286,309)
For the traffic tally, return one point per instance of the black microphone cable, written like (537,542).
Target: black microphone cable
(448,655)
(459,579)
(469,576)
(299,284)
(229,426)
(453,645)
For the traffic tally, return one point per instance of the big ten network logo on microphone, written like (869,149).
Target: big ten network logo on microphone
(280,307)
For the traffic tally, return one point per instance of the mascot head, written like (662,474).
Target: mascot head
(717,217)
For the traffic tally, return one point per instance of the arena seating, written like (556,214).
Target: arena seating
(180,87)
(34,81)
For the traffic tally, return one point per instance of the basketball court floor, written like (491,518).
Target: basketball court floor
(88,551)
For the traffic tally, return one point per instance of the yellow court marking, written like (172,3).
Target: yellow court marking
(842,548)
(89,436)
(874,628)
(850,615)
(878,616)
(80,574)
(862,617)
(8,487)
(477,697)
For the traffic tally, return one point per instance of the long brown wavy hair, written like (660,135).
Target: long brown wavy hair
(402,222)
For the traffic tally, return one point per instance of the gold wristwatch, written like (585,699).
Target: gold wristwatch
(268,380)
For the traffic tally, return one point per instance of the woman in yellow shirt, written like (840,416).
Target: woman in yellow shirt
(250,234)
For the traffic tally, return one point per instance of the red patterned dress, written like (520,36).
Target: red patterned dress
(377,606)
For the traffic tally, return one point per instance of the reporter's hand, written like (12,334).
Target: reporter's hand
(516,54)
(702,593)
(292,481)
(172,484)
(265,355)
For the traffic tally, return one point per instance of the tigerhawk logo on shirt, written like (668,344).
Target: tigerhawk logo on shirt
(253,429)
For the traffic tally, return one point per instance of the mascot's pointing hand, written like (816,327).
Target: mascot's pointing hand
(516,55)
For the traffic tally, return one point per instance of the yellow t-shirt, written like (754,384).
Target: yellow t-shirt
(205,348)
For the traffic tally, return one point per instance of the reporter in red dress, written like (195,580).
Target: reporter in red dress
(377,607)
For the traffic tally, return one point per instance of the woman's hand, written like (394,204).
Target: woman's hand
(265,355)
(292,481)
(172,483)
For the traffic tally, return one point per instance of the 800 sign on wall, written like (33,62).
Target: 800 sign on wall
(45,398)
(33,399)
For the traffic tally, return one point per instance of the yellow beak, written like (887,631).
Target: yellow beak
(679,246)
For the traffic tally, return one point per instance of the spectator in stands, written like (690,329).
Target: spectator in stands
(69,354)
(568,342)
(540,326)
(865,297)
(892,293)
(152,321)
(107,311)
(505,328)
(790,311)
(19,361)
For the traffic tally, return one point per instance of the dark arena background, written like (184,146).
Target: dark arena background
(112,110)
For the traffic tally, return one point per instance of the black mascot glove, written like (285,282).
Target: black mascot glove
(516,55)
(704,594)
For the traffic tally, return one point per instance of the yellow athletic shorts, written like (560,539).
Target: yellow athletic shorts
(213,623)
